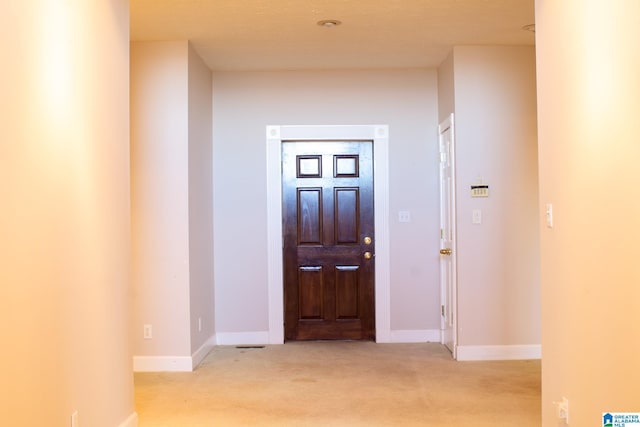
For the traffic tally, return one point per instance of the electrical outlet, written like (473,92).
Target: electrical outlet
(74,419)
(148,332)
(404,216)
(563,410)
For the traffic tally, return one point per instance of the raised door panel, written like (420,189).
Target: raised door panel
(347,292)
(347,215)
(309,212)
(310,293)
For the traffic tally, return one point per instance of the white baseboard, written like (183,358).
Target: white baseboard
(261,338)
(173,363)
(498,352)
(201,353)
(240,338)
(131,421)
(415,335)
(162,364)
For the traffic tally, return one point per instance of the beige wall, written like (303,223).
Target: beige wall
(446,88)
(200,202)
(589,98)
(492,91)
(245,103)
(498,260)
(160,197)
(64,222)
(172,212)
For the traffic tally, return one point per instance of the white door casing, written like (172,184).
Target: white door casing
(379,134)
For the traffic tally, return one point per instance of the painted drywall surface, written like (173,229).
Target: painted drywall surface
(589,98)
(446,88)
(200,202)
(245,103)
(159,197)
(498,260)
(64,222)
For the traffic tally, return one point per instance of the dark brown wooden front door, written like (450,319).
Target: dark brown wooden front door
(328,225)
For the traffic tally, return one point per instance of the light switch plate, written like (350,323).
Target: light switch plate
(549,215)
(476,216)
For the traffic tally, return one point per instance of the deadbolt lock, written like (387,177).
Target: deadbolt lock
(367,240)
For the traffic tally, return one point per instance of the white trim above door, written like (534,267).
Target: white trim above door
(276,135)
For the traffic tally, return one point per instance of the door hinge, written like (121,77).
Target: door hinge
(442,310)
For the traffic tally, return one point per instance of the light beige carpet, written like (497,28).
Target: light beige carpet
(341,384)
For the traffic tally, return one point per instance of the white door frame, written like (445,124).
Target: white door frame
(276,135)
(452,316)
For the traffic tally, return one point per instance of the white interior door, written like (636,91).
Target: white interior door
(448,235)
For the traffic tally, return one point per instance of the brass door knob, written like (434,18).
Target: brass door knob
(445,251)
(368,255)
(367,240)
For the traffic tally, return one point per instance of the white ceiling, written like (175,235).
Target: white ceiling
(283,35)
